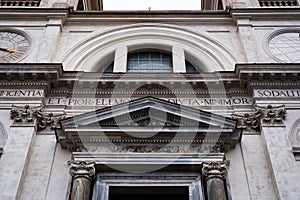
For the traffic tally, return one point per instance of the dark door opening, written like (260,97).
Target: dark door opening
(148,193)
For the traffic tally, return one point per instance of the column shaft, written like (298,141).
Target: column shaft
(215,189)
(81,188)
(82,173)
(215,174)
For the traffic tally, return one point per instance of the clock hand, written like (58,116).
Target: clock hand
(10,50)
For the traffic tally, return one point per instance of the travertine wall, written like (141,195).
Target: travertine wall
(262,166)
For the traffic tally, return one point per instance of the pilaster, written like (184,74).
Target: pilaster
(50,40)
(282,164)
(247,39)
(17,152)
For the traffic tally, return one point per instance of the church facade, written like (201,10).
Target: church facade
(197,104)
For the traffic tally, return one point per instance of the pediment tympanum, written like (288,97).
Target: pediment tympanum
(148,125)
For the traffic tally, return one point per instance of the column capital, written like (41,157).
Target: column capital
(215,169)
(82,169)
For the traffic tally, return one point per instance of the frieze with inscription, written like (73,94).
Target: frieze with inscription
(21,93)
(194,102)
(275,93)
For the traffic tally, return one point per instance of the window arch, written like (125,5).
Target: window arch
(200,50)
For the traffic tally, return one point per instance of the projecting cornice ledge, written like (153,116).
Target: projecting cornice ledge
(53,76)
(32,12)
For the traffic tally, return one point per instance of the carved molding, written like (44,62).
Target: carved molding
(24,3)
(153,149)
(215,169)
(277,3)
(82,169)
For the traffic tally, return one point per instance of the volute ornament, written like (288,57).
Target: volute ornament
(82,169)
(215,169)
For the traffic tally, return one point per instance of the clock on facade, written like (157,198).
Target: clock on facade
(285,47)
(14,45)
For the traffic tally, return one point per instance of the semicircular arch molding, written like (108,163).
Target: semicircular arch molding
(89,54)
(294,135)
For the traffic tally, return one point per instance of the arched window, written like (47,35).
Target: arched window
(190,69)
(149,62)
(108,69)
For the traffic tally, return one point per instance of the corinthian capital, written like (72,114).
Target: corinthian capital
(23,115)
(82,169)
(215,169)
(271,115)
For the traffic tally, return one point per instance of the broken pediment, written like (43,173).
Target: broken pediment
(148,125)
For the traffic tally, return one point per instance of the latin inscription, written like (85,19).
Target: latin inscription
(276,93)
(181,101)
(21,93)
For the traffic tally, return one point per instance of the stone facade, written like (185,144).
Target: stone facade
(70,131)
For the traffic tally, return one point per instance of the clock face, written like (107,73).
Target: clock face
(286,47)
(14,45)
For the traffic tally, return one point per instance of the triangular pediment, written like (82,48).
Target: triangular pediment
(148,118)
(149,111)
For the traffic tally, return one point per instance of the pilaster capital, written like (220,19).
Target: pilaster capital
(82,169)
(271,115)
(249,122)
(23,115)
(47,121)
(262,116)
(215,169)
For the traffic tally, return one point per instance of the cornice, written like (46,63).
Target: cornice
(264,13)
(51,17)
(57,81)
(165,15)
(152,16)
(53,76)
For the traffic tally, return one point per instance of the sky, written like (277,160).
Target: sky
(154,4)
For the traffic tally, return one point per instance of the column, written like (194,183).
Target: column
(82,176)
(215,174)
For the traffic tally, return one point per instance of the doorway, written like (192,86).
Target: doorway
(148,193)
